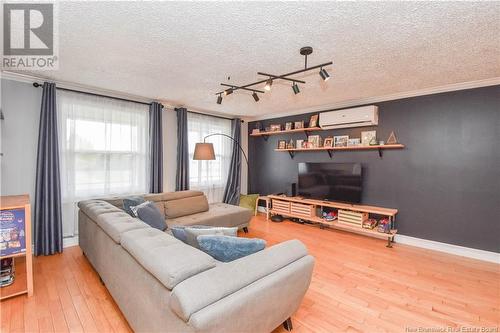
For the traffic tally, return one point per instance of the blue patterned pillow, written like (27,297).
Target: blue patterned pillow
(131,201)
(228,248)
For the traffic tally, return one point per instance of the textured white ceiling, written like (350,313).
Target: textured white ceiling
(179,52)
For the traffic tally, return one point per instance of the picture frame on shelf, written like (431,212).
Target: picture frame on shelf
(367,137)
(299,124)
(328,143)
(256,131)
(288,126)
(299,143)
(315,141)
(340,140)
(281,144)
(313,122)
(290,144)
(354,142)
(275,127)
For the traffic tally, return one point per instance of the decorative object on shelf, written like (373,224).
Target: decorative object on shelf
(353,142)
(384,225)
(288,126)
(268,81)
(255,131)
(299,124)
(7,272)
(381,143)
(281,144)
(290,144)
(392,140)
(275,127)
(374,142)
(313,122)
(315,141)
(340,140)
(367,137)
(328,142)
(258,125)
(369,224)
(330,216)
(299,143)
(306,145)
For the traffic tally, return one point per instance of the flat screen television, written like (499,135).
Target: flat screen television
(331,181)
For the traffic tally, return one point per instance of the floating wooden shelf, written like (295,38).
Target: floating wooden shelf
(292,151)
(297,130)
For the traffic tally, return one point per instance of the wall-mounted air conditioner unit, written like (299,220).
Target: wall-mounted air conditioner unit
(355,117)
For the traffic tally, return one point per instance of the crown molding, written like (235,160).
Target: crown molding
(377,99)
(15,76)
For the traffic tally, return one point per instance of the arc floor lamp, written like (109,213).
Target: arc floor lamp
(204,151)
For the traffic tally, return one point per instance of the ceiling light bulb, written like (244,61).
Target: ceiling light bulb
(295,88)
(228,91)
(268,85)
(255,96)
(324,74)
(219,99)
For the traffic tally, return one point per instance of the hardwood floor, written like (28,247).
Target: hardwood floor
(358,285)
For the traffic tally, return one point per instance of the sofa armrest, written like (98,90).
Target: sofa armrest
(265,273)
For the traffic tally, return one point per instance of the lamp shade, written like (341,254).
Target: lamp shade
(204,151)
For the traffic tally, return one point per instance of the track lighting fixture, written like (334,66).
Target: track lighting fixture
(255,96)
(324,74)
(269,78)
(268,85)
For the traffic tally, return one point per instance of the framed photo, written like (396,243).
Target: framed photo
(288,126)
(281,144)
(275,127)
(367,136)
(315,141)
(354,142)
(290,144)
(299,124)
(306,145)
(314,121)
(299,143)
(340,140)
(328,142)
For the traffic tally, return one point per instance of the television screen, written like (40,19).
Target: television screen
(331,181)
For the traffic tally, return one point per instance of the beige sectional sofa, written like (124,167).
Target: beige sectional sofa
(164,285)
(192,208)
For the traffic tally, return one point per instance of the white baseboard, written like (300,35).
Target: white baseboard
(449,248)
(70,241)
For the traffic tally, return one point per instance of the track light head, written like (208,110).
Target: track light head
(228,91)
(295,88)
(219,99)
(324,74)
(255,96)
(268,85)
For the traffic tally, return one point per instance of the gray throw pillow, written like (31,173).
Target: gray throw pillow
(149,214)
(192,233)
(131,201)
(179,231)
(225,248)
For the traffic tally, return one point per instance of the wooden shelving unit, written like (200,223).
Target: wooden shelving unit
(305,209)
(330,150)
(306,130)
(23,282)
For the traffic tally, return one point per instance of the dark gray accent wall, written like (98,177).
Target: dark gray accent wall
(445,183)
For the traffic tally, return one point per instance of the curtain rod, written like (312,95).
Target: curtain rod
(211,115)
(37,85)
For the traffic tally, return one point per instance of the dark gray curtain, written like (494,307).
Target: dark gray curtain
(233,185)
(155,148)
(48,218)
(182,178)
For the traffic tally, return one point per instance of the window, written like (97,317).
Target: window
(104,150)
(209,176)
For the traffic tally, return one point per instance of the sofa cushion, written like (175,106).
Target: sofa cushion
(166,258)
(192,233)
(94,208)
(219,214)
(186,206)
(129,202)
(167,196)
(227,248)
(150,214)
(116,223)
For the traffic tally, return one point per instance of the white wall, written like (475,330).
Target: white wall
(20,103)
